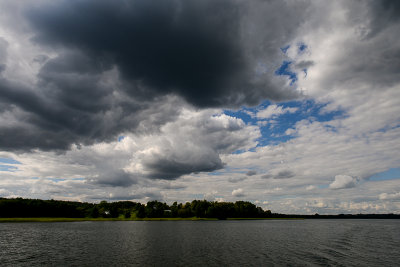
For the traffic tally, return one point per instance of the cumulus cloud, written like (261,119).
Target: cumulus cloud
(192,144)
(342,181)
(238,193)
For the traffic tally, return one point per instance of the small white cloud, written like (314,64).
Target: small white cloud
(4,193)
(250,113)
(274,111)
(317,203)
(385,196)
(342,181)
(290,131)
(220,199)
(238,192)
(211,195)
(274,190)
(310,187)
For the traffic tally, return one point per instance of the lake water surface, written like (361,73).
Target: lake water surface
(202,243)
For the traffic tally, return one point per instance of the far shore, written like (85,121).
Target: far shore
(16,220)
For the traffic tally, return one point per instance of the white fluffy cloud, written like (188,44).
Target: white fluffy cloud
(238,193)
(274,111)
(191,144)
(386,196)
(342,181)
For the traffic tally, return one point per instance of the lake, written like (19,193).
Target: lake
(202,243)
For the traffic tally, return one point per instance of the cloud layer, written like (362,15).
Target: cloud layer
(144,100)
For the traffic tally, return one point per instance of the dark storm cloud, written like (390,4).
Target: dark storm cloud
(115,66)
(190,48)
(114,178)
(285,174)
(382,14)
(170,168)
(73,105)
(52,123)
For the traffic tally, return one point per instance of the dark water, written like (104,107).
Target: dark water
(202,243)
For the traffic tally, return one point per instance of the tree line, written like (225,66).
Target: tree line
(32,208)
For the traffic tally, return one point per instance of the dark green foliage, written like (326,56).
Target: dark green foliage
(25,208)
(155,209)
(19,207)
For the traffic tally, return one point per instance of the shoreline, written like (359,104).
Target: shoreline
(44,219)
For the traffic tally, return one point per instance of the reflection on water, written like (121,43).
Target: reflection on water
(200,243)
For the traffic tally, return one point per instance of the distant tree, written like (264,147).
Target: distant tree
(155,209)
(174,209)
(94,213)
(141,213)
(127,214)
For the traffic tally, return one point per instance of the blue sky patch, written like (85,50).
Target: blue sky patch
(284,70)
(9,161)
(8,168)
(302,47)
(56,179)
(273,130)
(391,174)
(285,49)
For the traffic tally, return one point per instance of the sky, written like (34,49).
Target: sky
(292,105)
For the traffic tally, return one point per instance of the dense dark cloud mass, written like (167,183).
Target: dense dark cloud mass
(191,48)
(168,47)
(115,66)
(382,14)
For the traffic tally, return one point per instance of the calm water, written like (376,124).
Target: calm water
(202,243)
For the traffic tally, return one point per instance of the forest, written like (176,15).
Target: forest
(32,208)
(36,208)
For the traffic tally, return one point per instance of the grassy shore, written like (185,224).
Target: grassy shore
(16,220)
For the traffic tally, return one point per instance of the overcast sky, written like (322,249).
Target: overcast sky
(292,105)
